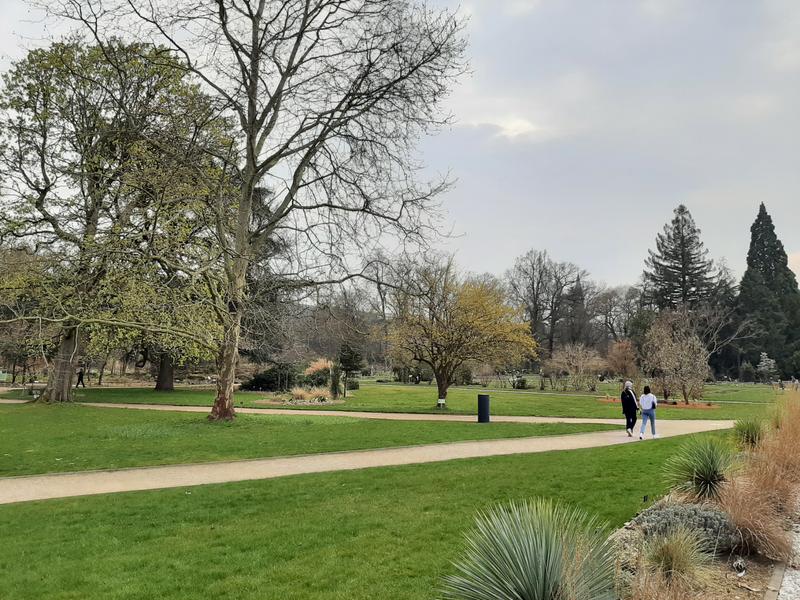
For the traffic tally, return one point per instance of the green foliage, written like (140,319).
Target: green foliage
(350,359)
(700,468)
(678,272)
(520,383)
(336,379)
(749,432)
(678,555)
(769,294)
(353,384)
(714,528)
(538,550)
(278,378)
(747,372)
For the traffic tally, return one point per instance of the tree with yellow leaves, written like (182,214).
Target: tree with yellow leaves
(445,322)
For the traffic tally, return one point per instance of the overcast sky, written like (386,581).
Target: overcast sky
(585,122)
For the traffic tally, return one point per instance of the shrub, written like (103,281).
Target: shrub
(677,556)
(318,394)
(747,372)
(463,376)
(715,529)
(538,550)
(353,384)
(520,383)
(760,526)
(699,468)
(278,378)
(749,432)
(336,377)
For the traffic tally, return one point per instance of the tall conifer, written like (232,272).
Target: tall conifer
(769,295)
(678,272)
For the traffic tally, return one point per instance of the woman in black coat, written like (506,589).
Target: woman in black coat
(630,406)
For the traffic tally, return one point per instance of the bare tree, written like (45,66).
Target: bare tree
(328,98)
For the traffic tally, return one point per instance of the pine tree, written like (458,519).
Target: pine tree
(769,295)
(678,272)
(577,322)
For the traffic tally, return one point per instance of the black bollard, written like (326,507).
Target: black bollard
(483,408)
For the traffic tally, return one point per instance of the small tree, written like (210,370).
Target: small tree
(621,360)
(351,361)
(675,356)
(444,322)
(580,363)
(767,368)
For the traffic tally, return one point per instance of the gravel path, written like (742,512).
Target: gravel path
(43,487)
(790,589)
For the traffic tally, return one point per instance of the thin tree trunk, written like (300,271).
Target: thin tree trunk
(59,379)
(166,373)
(14,372)
(102,370)
(229,355)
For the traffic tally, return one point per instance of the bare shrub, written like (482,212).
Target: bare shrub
(761,527)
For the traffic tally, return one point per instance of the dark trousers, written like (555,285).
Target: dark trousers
(630,420)
(80,381)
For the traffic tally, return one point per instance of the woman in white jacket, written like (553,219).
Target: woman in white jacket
(648,404)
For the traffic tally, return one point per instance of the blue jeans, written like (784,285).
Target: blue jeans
(651,416)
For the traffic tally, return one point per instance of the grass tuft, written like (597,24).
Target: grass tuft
(700,468)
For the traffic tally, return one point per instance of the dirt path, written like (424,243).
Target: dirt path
(43,487)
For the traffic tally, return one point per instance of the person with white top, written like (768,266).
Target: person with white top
(648,404)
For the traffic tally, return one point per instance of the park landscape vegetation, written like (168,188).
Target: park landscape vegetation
(209,196)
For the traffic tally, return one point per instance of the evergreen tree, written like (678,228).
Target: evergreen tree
(677,272)
(577,322)
(769,295)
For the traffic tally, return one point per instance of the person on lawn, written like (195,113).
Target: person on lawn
(630,406)
(648,404)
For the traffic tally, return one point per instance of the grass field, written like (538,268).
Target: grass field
(729,401)
(42,439)
(376,533)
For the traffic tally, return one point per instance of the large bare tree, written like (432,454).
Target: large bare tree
(328,98)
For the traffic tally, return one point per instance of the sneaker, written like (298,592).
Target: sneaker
(655,436)
(630,434)
(641,437)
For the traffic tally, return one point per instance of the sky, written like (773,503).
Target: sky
(583,123)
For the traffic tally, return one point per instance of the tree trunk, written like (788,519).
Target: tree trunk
(226,365)
(102,370)
(442,385)
(14,372)
(165,382)
(59,379)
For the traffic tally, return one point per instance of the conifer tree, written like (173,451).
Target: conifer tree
(769,294)
(678,272)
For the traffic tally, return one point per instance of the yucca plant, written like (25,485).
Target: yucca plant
(677,556)
(749,432)
(700,468)
(537,550)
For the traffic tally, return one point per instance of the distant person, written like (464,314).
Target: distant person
(630,406)
(80,383)
(648,404)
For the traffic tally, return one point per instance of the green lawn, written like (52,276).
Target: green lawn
(376,533)
(42,439)
(734,401)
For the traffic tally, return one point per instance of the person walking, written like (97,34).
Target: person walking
(648,404)
(80,379)
(630,407)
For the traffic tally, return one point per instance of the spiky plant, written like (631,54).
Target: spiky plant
(700,468)
(536,550)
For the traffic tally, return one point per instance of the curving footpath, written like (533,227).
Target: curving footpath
(64,485)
